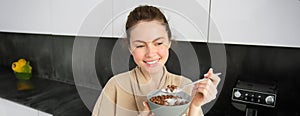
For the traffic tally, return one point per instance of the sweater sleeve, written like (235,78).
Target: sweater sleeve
(106,103)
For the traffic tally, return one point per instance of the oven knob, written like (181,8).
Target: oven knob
(270,99)
(237,94)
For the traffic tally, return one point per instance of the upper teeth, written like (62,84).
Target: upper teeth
(152,62)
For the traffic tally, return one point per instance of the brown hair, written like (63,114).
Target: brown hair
(146,13)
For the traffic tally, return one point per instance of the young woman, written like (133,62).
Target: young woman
(149,40)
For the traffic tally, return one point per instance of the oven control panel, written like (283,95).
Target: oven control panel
(256,94)
(254,97)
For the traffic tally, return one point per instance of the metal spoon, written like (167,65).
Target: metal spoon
(191,83)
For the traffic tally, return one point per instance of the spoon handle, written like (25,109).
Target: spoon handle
(192,83)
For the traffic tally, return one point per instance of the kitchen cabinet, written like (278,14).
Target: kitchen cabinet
(58,17)
(250,22)
(9,108)
(105,18)
(255,22)
(30,16)
(188,19)
(80,17)
(121,9)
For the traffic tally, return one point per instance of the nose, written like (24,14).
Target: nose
(151,50)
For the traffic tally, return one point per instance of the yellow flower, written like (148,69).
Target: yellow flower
(22,62)
(16,66)
(21,66)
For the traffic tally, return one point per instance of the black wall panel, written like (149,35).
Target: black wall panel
(51,58)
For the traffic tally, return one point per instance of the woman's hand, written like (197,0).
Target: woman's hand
(205,91)
(146,111)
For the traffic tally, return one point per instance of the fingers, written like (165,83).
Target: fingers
(209,73)
(146,111)
(213,77)
(207,89)
(206,86)
(146,105)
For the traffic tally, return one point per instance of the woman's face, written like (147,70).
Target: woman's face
(149,45)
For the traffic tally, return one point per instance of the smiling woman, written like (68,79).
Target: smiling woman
(149,41)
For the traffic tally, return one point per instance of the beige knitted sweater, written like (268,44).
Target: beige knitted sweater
(123,95)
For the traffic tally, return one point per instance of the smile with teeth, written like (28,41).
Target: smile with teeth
(152,62)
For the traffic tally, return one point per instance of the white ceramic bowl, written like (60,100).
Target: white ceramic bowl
(164,110)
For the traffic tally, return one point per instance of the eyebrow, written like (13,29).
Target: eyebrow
(147,42)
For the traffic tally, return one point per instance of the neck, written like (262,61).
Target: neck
(154,77)
(152,80)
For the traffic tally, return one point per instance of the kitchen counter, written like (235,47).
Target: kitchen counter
(53,97)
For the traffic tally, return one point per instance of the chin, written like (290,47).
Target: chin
(153,69)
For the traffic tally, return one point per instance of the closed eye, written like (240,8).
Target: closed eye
(159,43)
(140,46)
